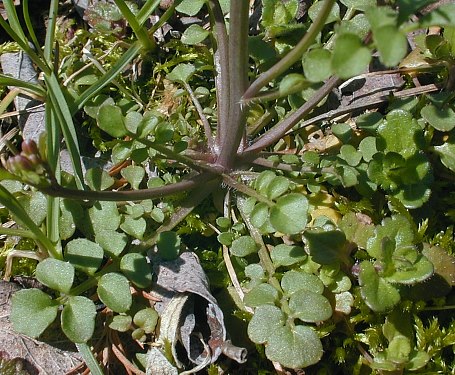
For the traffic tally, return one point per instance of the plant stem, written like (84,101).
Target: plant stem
(148,43)
(49,44)
(131,195)
(185,207)
(263,253)
(238,74)
(195,164)
(17,232)
(89,359)
(228,180)
(274,134)
(295,54)
(221,63)
(205,122)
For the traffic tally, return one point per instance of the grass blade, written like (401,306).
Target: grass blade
(146,10)
(32,88)
(64,117)
(118,67)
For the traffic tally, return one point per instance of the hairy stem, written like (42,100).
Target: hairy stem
(221,63)
(191,183)
(274,134)
(238,73)
(185,207)
(295,54)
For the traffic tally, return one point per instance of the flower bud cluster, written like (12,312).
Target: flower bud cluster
(30,167)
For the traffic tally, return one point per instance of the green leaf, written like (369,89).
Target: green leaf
(262,294)
(111,241)
(136,268)
(55,274)
(350,154)
(292,83)
(181,73)
(287,255)
(146,319)
(391,43)
(342,131)
(168,244)
(317,65)
(78,319)
(367,148)
(135,227)
(132,121)
(243,246)
(397,228)
(294,281)
(35,205)
(378,294)
(400,133)
(262,182)
(134,174)
(309,306)
(278,12)
(265,322)
(410,267)
(441,16)
(98,179)
(350,57)
(32,311)
(190,7)
(289,214)
(442,119)
(259,214)
(121,323)
(194,34)
(359,4)
(84,255)
(277,187)
(294,347)
(446,152)
(70,214)
(104,216)
(164,132)
(357,228)
(110,120)
(325,247)
(315,9)
(114,291)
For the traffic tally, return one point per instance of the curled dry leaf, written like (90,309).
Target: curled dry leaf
(190,316)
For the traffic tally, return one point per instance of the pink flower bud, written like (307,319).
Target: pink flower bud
(29,147)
